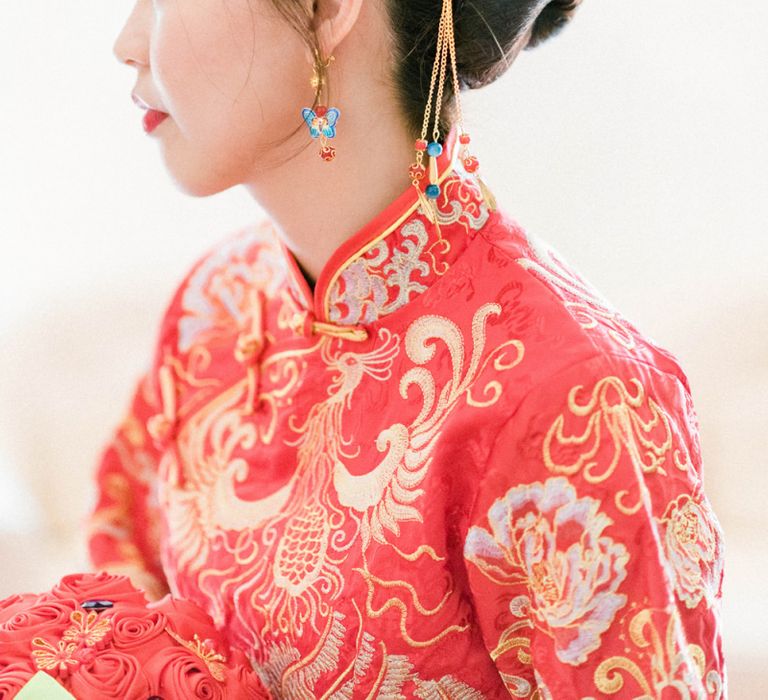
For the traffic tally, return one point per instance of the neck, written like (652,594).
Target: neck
(316,205)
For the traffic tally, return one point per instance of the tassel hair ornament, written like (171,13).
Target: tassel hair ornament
(446,47)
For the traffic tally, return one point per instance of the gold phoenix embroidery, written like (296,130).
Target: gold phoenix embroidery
(287,549)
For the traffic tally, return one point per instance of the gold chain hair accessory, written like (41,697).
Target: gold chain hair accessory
(322,119)
(446,47)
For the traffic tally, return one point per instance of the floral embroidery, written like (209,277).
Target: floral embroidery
(545,537)
(616,423)
(88,629)
(217,296)
(61,658)
(384,276)
(693,546)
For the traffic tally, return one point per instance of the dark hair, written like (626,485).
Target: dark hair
(488,36)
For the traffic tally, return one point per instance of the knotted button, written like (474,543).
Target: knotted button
(248,346)
(301,323)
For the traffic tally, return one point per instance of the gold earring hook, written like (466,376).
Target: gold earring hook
(320,69)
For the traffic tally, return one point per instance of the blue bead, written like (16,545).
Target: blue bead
(434,149)
(433,191)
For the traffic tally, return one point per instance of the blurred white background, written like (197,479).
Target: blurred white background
(636,143)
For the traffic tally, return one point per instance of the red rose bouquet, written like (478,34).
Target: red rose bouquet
(95,635)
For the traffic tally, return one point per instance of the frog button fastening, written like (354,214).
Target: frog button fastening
(248,348)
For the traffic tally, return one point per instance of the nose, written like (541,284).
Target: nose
(132,43)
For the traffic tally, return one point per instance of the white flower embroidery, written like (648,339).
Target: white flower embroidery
(693,543)
(546,538)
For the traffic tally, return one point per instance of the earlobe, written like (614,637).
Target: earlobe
(334,20)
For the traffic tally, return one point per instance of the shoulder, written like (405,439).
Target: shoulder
(214,290)
(562,319)
(606,422)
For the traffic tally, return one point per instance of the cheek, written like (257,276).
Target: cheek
(230,73)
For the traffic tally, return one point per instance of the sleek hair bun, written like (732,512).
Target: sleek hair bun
(555,15)
(488,33)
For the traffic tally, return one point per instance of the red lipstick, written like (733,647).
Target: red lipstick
(152,118)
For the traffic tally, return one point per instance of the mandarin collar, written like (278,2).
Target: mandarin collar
(396,255)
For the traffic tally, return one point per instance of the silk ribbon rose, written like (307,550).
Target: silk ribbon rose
(110,675)
(179,674)
(47,618)
(13,678)
(551,543)
(135,628)
(187,618)
(13,603)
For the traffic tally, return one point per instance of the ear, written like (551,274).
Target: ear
(333,20)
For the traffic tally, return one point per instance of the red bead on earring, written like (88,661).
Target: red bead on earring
(322,124)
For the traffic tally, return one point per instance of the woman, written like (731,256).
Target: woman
(390,441)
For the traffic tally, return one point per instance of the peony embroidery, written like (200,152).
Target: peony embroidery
(693,547)
(542,536)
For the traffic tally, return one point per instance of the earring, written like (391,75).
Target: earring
(322,119)
(446,48)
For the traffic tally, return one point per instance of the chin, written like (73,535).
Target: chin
(199,179)
(198,187)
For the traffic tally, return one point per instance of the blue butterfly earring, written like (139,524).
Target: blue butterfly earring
(322,119)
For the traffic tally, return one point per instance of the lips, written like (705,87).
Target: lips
(152,118)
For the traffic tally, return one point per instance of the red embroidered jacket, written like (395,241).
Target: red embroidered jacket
(451,470)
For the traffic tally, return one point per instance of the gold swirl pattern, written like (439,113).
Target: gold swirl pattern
(406,258)
(677,669)
(385,494)
(218,293)
(614,418)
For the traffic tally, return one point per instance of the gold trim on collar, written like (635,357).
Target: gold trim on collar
(362,251)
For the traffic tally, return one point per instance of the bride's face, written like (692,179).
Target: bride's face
(233,76)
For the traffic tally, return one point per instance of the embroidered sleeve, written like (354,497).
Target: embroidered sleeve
(594,557)
(123,535)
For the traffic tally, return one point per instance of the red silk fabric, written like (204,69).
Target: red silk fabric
(494,489)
